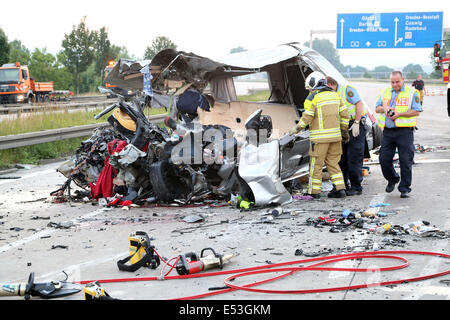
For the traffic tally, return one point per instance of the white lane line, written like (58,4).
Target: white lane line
(30,175)
(74,271)
(46,232)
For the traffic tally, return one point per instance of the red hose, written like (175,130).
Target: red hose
(280,267)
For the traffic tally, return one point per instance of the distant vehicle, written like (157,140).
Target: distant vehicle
(106,71)
(17,86)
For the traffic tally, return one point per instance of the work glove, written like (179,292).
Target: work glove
(294,130)
(354,129)
(345,136)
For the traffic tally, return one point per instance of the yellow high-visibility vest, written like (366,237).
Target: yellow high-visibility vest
(351,108)
(402,104)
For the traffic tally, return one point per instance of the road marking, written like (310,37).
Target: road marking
(46,232)
(74,271)
(431,160)
(30,175)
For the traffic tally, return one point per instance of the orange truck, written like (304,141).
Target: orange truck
(106,71)
(17,86)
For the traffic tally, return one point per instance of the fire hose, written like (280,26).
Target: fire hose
(319,264)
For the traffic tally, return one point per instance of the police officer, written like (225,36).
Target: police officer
(352,152)
(398,108)
(419,85)
(327,117)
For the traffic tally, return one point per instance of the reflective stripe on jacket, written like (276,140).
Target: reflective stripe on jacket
(327,117)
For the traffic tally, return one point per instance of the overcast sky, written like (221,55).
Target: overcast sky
(209,27)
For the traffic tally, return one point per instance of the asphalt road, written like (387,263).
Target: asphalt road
(90,248)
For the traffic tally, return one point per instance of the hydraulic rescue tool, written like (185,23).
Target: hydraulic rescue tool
(93,291)
(46,290)
(142,253)
(190,263)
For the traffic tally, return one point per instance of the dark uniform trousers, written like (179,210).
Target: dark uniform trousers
(403,139)
(352,160)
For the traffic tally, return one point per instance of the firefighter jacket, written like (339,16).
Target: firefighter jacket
(326,116)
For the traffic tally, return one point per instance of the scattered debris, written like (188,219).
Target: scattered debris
(39,218)
(61,225)
(422,149)
(193,219)
(59,246)
(16,229)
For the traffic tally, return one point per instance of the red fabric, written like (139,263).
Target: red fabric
(103,188)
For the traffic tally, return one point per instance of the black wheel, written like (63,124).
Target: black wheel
(377,135)
(165,183)
(31,99)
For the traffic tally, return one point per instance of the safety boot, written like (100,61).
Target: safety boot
(337,194)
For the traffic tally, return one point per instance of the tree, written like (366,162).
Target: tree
(238,49)
(4,47)
(413,68)
(411,71)
(19,53)
(326,48)
(382,72)
(90,79)
(79,50)
(46,67)
(103,50)
(354,72)
(42,65)
(121,52)
(158,44)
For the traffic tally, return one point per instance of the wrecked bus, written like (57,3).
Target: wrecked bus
(286,67)
(261,164)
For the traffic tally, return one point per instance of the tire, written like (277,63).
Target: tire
(166,185)
(30,99)
(377,135)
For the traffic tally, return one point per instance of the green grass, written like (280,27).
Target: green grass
(35,153)
(46,121)
(262,95)
(39,121)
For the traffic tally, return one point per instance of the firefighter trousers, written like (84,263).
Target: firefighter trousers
(330,154)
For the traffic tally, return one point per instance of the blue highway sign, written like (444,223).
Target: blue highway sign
(388,30)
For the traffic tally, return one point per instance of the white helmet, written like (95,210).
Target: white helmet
(312,81)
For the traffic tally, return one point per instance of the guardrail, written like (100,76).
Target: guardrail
(31,138)
(43,107)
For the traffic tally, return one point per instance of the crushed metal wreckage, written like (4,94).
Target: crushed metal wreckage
(212,145)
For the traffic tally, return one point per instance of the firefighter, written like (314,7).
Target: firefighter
(352,152)
(398,108)
(327,117)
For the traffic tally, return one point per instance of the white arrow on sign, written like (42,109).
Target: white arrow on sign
(342,32)
(399,39)
(368,43)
